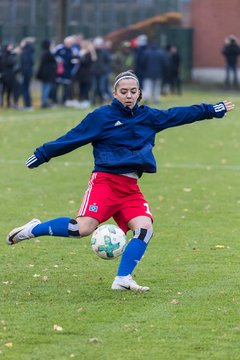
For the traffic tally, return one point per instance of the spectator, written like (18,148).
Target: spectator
(1,83)
(77,44)
(166,79)
(174,70)
(76,48)
(46,73)
(107,92)
(231,52)
(123,58)
(152,65)
(83,75)
(10,68)
(64,55)
(100,68)
(141,45)
(26,69)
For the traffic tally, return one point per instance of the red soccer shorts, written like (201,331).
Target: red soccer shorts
(113,195)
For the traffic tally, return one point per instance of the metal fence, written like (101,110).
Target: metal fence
(41,18)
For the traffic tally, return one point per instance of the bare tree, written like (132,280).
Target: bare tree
(61,19)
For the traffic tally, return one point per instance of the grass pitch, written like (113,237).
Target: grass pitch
(56,301)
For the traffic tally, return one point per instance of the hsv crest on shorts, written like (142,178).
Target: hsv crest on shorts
(93,208)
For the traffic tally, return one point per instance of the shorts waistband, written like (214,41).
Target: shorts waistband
(117,177)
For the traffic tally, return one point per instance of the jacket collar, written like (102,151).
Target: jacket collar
(117,104)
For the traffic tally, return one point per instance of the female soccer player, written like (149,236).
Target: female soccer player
(122,135)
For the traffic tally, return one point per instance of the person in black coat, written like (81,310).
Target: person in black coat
(99,70)
(26,67)
(153,67)
(231,52)
(84,75)
(46,73)
(174,70)
(9,70)
(1,84)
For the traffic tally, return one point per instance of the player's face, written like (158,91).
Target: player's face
(127,92)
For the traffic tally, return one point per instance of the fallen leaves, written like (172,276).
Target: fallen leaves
(175,302)
(36,275)
(93,340)
(187,189)
(219,246)
(57,328)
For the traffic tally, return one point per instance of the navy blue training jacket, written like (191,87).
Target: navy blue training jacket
(123,138)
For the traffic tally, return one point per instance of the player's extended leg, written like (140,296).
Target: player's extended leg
(62,226)
(142,230)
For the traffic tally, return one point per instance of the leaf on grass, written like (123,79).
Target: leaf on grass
(93,340)
(81,309)
(57,328)
(45,278)
(220,246)
(36,275)
(175,302)
(9,345)
(187,189)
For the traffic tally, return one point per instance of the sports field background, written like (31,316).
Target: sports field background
(56,297)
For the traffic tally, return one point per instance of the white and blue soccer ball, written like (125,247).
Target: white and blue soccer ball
(108,241)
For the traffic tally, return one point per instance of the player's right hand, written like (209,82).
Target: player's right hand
(33,162)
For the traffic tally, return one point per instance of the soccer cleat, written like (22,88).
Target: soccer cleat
(22,233)
(127,283)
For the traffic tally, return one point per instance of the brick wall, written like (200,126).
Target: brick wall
(212,21)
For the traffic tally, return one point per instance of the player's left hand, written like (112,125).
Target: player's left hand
(229,105)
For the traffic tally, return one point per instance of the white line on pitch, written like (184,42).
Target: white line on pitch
(161,166)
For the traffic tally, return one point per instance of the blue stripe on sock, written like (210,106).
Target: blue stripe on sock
(131,256)
(54,227)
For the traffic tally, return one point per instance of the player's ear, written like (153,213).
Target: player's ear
(140,95)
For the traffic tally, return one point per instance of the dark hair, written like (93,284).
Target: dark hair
(128,74)
(45,44)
